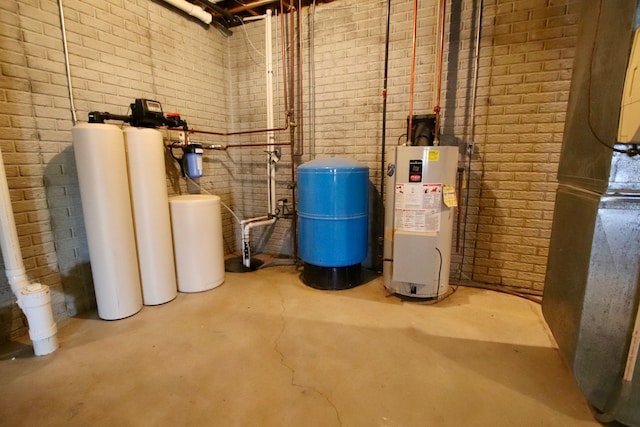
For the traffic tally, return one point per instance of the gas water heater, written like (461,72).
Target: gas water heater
(419,215)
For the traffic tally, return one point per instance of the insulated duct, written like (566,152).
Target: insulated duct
(33,298)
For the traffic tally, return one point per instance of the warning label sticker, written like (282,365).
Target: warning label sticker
(418,207)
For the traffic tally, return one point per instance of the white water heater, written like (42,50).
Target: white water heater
(419,213)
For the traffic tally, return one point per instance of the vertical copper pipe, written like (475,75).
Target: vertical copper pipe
(300,151)
(291,61)
(436,109)
(294,221)
(413,69)
(284,60)
(459,213)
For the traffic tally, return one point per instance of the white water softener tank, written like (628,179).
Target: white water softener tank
(196,222)
(148,184)
(106,205)
(419,213)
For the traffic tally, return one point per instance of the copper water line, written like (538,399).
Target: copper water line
(436,108)
(257,144)
(284,59)
(413,69)
(291,62)
(252,5)
(294,225)
(242,132)
(459,210)
(300,122)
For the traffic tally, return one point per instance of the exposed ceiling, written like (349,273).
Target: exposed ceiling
(227,13)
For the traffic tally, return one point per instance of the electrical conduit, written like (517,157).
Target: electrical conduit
(33,298)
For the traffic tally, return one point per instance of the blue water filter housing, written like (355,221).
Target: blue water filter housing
(193,160)
(332,221)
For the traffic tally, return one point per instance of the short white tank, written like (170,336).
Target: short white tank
(197,240)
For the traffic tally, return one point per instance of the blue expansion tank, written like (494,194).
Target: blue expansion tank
(332,219)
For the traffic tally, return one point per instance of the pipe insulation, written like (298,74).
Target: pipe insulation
(34,299)
(101,161)
(192,10)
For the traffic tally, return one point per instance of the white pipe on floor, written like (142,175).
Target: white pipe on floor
(33,298)
(246,238)
(192,9)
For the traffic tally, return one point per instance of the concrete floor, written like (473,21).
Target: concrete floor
(265,350)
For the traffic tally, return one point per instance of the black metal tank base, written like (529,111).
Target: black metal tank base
(332,278)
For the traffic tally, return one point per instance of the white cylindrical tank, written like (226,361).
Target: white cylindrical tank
(197,239)
(106,204)
(148,184)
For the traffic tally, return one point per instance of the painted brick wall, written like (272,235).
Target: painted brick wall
(124,49)
(526,55)
(119,50)
(526,58)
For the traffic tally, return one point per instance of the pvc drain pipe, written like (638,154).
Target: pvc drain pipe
(34,299)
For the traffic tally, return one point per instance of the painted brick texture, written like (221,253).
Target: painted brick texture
(120,50)
(526,55)
(526,58)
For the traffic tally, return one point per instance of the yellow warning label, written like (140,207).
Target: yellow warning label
(434,156)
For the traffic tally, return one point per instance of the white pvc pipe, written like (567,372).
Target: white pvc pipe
(271,165)
(258,218)
(246,238)
(247,224)
(33,299)
(192,9)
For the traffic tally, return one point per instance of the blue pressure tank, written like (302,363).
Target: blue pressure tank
(332,221)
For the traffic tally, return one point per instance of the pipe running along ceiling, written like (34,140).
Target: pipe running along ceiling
(229,13)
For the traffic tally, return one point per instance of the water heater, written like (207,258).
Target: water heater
(419,213)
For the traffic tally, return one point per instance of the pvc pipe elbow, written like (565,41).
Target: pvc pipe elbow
(35,302)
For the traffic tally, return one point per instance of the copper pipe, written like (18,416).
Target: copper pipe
(459,216)
(291,62)
(294,225)
(250,6)
(258,144)
(243,132)
(413,69)
(284,59)
(436,109)
(300,152)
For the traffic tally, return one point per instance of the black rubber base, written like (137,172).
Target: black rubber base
(332,278)
(235,265)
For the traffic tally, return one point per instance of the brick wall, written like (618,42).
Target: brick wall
(124,49)
(526,55)
(526,58)
(119,50)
